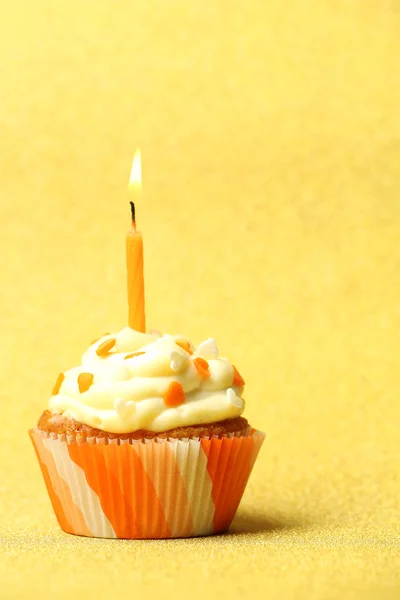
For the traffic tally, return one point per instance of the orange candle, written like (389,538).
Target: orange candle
(134,255)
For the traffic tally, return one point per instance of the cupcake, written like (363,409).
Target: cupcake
(146,439)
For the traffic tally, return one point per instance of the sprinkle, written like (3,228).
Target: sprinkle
(237,378)
(105,347)
(132,354)
(58,383)
(233,399)
(155,332)
(175,395)
(185,345)
(85,380)
(208,349)
(123,407)
(202,366)
(177,360)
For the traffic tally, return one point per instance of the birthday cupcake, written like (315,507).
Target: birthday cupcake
(145,439)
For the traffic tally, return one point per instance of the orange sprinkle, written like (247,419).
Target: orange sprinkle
(133,354)
(237,378)
(185,345)
(57,384)
(85,380)
(202,366)
(174,396)
(105,347)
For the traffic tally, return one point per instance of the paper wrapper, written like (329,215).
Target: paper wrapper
(158,488)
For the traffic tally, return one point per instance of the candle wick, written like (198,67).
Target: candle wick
(133,213)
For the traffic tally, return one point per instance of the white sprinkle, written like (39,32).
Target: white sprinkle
(177,360)
(123,407)
(233,399)
(155,332)
(208,349)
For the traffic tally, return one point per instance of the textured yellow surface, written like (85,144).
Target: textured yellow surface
(270,134)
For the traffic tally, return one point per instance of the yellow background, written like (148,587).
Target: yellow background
(270,134)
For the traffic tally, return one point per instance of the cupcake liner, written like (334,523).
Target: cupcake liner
(141,489)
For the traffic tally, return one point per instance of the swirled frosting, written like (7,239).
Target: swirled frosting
(132,380)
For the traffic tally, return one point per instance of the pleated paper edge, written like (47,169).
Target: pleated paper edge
(71,439)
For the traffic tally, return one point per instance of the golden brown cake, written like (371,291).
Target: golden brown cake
(65,425)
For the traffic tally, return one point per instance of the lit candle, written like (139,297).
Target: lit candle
(134,254)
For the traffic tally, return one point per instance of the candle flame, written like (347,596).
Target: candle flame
(135,179)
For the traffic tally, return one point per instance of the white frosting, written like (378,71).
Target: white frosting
(128,394)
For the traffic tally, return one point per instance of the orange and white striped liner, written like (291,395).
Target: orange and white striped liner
(148,488)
